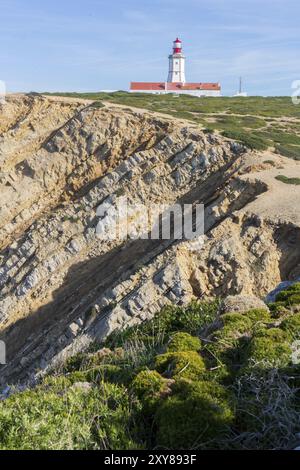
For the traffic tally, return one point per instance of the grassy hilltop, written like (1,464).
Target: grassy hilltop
(188,379)
(258,122)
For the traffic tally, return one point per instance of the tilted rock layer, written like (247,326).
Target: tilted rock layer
(61,161)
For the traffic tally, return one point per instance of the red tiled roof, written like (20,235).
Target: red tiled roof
(201,86)
(147,86)
(161,86)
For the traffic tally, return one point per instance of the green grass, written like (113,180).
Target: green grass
(290,151)
(280,137)
(188,379)
(252,141)
(271,107)
(286,180)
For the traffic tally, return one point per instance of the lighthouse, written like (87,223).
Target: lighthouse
(176,83)
(176,64)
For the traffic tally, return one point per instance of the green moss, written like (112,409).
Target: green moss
(184,342)
(291,326)
(147,383)
(149,387)
(269,348)
(236,321)
(195,413)
(258,315)
(184,364)
(235,325)
(226,350)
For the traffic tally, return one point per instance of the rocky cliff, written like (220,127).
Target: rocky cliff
(62,287)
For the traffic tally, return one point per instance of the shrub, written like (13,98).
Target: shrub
(286,180)
(190,319)
(184,342)
(270,162)
(294,287)
(291,326)
(74,362)
(103,373)
(97,105)
(57,383)
(278,309)
(294,299)
(290,151)
(289,296)
(226,351)
(184,364)
(106,372)
(77,376)
(63,418)
(250,140)
(195,413)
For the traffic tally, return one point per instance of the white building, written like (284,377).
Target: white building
(176,64)
(176,82)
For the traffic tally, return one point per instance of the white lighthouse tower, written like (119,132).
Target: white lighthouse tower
(176,64)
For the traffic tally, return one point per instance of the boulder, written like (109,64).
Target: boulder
(242,303)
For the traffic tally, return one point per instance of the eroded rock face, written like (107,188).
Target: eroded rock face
(49,150)
(61,286)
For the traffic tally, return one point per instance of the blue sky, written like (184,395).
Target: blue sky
(88,45)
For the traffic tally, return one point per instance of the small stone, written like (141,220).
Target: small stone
(74,328)
(84,387)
